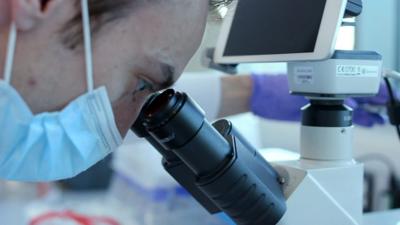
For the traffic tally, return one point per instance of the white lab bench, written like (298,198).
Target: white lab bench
(10,214)
(383,218)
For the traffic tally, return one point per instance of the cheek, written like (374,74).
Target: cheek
(126,110)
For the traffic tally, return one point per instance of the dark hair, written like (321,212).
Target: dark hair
(101,12)
(106,11)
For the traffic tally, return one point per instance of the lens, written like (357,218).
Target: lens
(160,104)
(327,114)
(179,125)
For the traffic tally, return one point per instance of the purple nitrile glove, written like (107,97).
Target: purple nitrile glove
(364,117)
(271,100)
(381,99)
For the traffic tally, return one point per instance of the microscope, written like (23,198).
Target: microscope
(224,172)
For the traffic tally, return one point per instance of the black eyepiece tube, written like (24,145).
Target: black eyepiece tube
(140,131)
(173,164)
(226,169)
(179,125)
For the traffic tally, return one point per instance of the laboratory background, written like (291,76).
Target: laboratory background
(131,187)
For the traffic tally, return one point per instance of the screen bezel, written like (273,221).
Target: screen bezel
(324,48)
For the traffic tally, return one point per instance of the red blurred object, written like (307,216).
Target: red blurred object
(73,217)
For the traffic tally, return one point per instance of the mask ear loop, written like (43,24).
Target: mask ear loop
(87,45)
(12,40)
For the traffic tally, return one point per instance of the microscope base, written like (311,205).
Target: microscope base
(322,193)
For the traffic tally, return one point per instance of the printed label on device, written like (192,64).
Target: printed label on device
(357,71)
(304,75)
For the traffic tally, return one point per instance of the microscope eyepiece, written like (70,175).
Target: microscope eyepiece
(162,107)
(214,162)
(179,125)
(172,118)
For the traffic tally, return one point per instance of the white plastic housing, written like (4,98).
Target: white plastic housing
(335,77)
(326,143)
(322,193)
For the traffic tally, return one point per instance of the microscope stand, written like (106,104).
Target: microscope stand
(322,193)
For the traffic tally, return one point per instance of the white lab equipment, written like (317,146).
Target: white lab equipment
(325,185)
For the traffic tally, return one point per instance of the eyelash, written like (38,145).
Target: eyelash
(144,85)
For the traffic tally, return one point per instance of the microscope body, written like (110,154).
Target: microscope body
(224,173)
(322,192)
(325,185)
(214,163)
(326,126)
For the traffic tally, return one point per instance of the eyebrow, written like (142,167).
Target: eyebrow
(168,73)
(215,4)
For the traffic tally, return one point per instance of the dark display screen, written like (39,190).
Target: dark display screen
(266,27)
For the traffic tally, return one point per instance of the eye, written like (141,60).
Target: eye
(44,4)
(144,85)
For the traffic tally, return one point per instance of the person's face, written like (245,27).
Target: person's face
(4,13)
(152,42)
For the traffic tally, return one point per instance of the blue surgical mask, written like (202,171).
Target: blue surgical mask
(59,145)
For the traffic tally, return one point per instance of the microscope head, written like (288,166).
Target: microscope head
(302,33)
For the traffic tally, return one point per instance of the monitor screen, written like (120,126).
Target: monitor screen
(268,27)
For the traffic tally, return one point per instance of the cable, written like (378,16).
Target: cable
(393,108)
(393,104)
(393,99)
(391,74)
(390,90)
(398,130)
(379,158)
(369,178)
(393,188)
